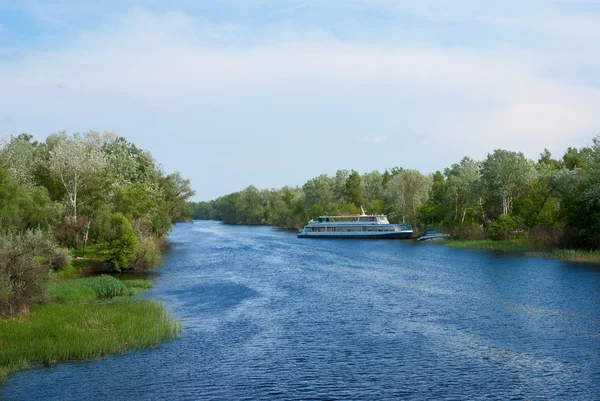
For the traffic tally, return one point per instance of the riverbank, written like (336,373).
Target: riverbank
(529,249)
(515,245)
(86,318)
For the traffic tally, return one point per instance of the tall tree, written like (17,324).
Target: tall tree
(74,161)
(506,175)
(463,181)
(339,186)
(318,195)
(354,189)
(405,193)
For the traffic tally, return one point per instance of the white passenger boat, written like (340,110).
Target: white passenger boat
(360,226)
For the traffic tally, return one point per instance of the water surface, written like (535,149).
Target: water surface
(270,316)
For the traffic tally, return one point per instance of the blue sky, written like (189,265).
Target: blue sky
(275,92)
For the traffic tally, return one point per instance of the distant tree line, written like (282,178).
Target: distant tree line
(75,191)
(555,201)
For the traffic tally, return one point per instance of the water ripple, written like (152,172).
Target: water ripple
(269,316)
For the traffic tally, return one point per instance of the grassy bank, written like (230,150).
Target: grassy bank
(516,245)
(524,246)
(569,255)
(88,318)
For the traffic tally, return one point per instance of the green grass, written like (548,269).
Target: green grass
(516,245)
(576,255)
(135,287)
(71,291)
(84,322)
(523,245)
(91,252)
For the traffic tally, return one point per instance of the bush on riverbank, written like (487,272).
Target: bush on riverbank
(81,324)
(25,263)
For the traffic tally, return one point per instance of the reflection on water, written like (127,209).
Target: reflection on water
(270,316)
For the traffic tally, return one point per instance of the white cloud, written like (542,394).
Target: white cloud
(371,139)
(150,67)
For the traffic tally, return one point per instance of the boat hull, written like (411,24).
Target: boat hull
(433,237)
(392,235)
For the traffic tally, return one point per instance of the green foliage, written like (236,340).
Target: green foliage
(354,189)
(117,242)
(59,258)
(435,210)
(146,254)
(506,176)
(25,263)
(25,207)
(503,228)
(175,191)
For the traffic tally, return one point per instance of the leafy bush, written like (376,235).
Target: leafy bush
(468,232)
(60,258)
(69,232)
(502,229)
(118,242)
(25,261)
(146,255)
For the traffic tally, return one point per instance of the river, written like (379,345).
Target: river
(270,316)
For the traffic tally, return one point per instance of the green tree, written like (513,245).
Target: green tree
(405,194)
(339,186)
(318,192)
(506,175)
(435,210)
(128,163)
(372,186)
(176,191)
(117,242)
(74,161)
(354,189)
(464,189)
(253,211)
(25,207)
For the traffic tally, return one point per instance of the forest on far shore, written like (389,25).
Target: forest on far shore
(553,201)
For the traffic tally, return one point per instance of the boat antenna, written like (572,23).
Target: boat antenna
(363,211)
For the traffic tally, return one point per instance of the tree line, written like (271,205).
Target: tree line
(553,201)
(71,192)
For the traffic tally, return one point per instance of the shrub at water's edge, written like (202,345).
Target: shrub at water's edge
(81,324)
